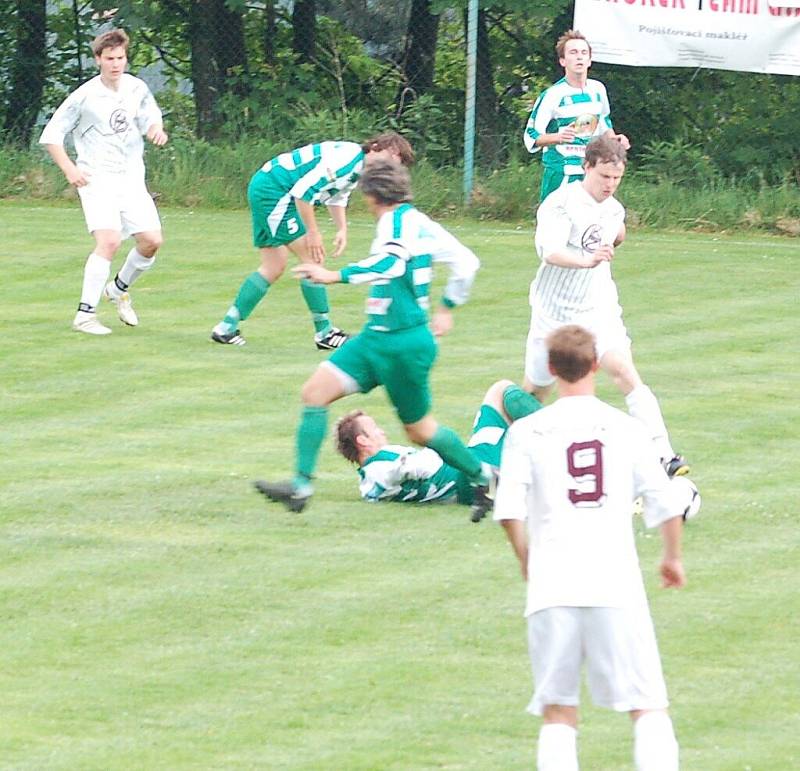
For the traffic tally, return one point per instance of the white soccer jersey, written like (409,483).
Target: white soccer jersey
(106,125)
(568,221)
(400,473)
(573,470)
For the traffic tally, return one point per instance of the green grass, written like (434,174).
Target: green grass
(157,614)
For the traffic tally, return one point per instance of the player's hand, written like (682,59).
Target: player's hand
(604,253)
(76,177)
(316,273)
(672,575)
(442,321)
(339,242)
(624,141)
(157,136)
(567,134)
(316,248)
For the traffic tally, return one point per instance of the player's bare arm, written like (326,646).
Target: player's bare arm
(316,273)
(157,135)
(515,531)
(316,248)
(565,135)
(671,568)
(603,253)
(339,217)
(73,174)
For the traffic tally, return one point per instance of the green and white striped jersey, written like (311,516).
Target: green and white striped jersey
(585,109)
(409,475)
(399,269)
(323,173)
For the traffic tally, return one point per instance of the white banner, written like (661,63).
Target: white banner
(745,35)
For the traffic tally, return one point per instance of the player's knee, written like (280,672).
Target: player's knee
(149,243)
(107,245)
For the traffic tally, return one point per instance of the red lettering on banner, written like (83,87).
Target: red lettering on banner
(654,3)
(734,6)
(784,11)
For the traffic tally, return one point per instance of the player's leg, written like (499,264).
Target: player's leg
(555,649)
(642,403)
(538,378)
(326,336)
(347,371)
(655,747)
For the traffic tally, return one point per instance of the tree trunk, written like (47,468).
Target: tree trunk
(486,115)
(419,61)
(304,29)
(230,50)
(268,41)
(28,71)
(205,79)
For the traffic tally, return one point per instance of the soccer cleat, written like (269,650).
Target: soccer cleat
(676,466)
(331,339)
(88,323)
(285,493)
(234,338)
(127,315)
(483,501)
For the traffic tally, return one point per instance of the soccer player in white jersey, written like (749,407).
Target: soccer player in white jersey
(568,476)
(567,115)
(577,228)
(282,195)
(107,117)
(396,347)
(394,472)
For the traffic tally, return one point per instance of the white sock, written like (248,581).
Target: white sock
(643,405)
(557,749)
(135,264)
(655,747)
(95,275)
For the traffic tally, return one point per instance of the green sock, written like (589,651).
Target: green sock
(316,297)
(251,292)
(519,403)
(453,451)
(310,436)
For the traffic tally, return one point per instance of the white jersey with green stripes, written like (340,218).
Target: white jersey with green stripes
(322,173)
(585,109)
(407,474)
(399,269)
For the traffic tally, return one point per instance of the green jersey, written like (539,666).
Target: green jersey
(399,269)
(585,109)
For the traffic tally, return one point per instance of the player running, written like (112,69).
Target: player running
(282,195)
(396,349)
(568,114)
(107,117)
(393,472)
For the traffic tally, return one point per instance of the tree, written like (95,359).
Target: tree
(27,72)
(304,29)
(419,59)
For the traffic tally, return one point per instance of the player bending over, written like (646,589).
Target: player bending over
(396,348)
(393,472)
(567,479)
(107,117)
(282,195)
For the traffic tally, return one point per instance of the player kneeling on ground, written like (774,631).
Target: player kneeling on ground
(393,472)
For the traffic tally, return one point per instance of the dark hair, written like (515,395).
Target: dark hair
(388,183)
(113,38)
(391,140)
(604,149)
(344,435)
(570,34)
(571,352)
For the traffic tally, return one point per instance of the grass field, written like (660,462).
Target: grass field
(157,614)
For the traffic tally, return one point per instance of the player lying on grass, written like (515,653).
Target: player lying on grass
(282,195)
(394,472)
(396,348)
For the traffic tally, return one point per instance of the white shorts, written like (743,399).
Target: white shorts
(610,335)
(619,647)
(116,203)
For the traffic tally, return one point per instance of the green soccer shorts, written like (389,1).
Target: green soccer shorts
(275,218)
(552,177)
(400,361)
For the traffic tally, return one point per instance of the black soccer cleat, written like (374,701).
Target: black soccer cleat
(676,466)
(481,504)
(283,492)
(234,338)
(332,339)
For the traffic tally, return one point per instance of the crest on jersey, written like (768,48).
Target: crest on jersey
(591,239)
(118,121)
(585,125)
